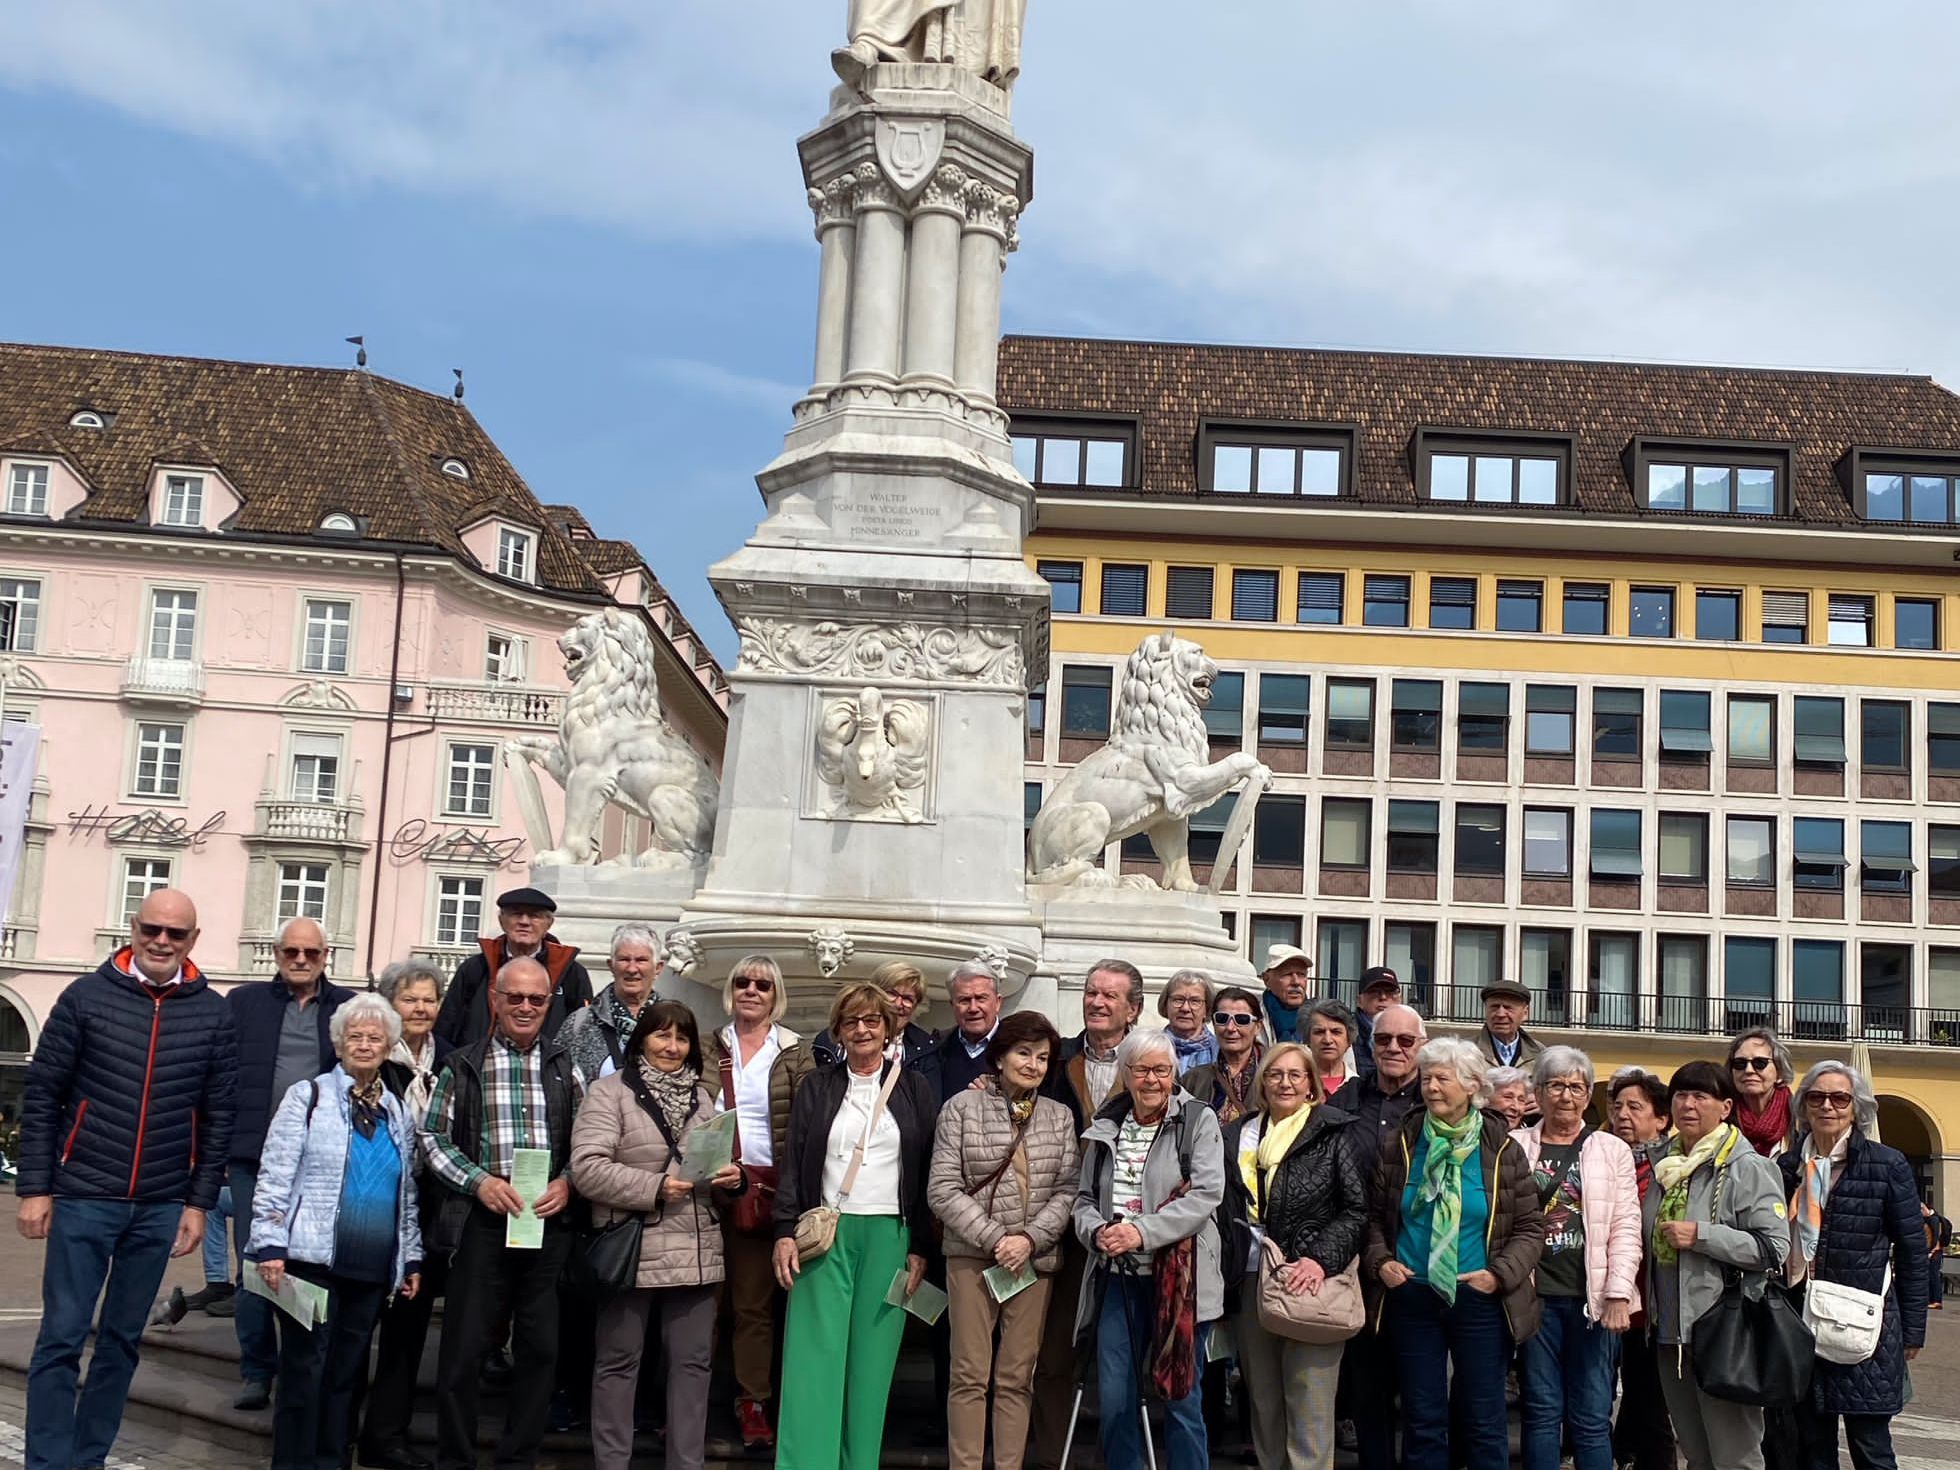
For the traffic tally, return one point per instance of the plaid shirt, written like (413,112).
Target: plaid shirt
(513,1116)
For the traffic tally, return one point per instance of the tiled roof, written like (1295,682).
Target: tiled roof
(1173,387)
(296,442)
(609,558)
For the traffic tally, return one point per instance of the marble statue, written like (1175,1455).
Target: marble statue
(873,755)
(614,747)
(982,36)
(1153,774)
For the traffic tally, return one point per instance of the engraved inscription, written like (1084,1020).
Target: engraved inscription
(886,515)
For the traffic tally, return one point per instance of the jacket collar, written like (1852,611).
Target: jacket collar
(1112,1113)
(554,954)
(122,965)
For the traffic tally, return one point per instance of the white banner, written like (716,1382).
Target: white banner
(20,748)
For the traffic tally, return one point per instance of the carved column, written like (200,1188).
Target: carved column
(877,279)
(983,256)
(837,237)
(933,288)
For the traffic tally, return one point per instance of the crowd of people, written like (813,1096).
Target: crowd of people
(1259,1219)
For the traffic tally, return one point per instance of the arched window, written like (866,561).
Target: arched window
(455,468)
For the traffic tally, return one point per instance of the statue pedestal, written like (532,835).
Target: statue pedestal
(1159,932)
(594,901)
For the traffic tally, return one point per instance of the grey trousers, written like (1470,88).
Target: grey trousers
(687,1338)
(1713,1433)
(1290,1387)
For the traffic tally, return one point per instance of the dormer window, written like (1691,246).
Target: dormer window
(183,500)
(27,490)
(1709,479)
(1069,452)
(455,468)
(1926,500)
(87,418)
(1493,469)
(1273,459)
(339,523)
(514,554)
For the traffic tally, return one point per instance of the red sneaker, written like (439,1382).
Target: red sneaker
(756,1433)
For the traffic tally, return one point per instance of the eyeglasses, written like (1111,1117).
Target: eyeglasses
(291,953)
(519,1001)
(1837,1102)
(761,983)
(1394,1039)
(1160,1072)
(1231,1018)
(1751,1064)
(1296,1079)
(151,931)
(861,1023)
(1567,1089)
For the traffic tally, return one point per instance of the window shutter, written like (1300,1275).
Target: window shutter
(1188,593)
(1484,699)
(1124,588)
(1943,719)
(1453,591)
(1386,589)
(1851,610)
(1417,696)
(1787,609)
(1321,592)
(1551,699)
(1255,597)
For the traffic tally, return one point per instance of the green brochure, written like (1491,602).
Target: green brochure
(1005,1284)
(530,1176)
(710,1147)
(928,1303)
(303,1301)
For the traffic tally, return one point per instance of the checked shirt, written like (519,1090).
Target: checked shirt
(513,1116)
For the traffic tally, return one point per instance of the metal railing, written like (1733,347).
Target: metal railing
(496,704)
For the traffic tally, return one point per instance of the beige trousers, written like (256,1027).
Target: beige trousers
(973,1312)
(1290,1388)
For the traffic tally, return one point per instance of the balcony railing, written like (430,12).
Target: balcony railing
(443,958)
(175,681)
(496,704)
(306,820)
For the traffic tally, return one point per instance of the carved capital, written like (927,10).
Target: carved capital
(834,203)
(881,650)
(870,189)
(946,191)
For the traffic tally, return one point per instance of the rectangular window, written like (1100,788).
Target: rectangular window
(20,614)
(1684,723)
(1752,852)
(1943,739)
(1748,981)
(1586,605)
(1207,828)
(1885,990)
(1479,840)
(1786,617)
(1412,836)
(1943,861)
(459,911)
(1887,734)
(1320,597)
(1416,715)
(1187,593)
(1279,832)
(1752,729)
(1255,596)
(1073,459)
(1547,842)
(1494,479)
(513,554)
(1684,848)
(1225,716)
(1819,853)
(1266,930)
(1615,969)
(183,500)
(1344,830)
(159,761)
(1275,469)
(1616,724)
(1385,602)
(1283,709)
(1410,951)
(1915,623)
(302,892)
(1125,589)
(1037,710)
(1343,954)
(1453,602)
(1652,612)
(471,781)
(1031,808)
(141,878)
(1615,844)
(1851,622)
(1549,712)
(329,626)
(1520,606)
(27,490)
(1718,616)
(503,658)
(1351,714)
(1712,489)
(1476,959)
(316,768)
(1085,701)
(1683,960)
(1886,848)
(1483,718)
(173,624)
(1064,579)
(1817,985)
(1545,968)
(1819,725)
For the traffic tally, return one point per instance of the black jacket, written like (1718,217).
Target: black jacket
(395,1076)
(465,1015)
(799,1172)
(130,1095)
(1871,1216)
(922,1050)
(1378,1115)
(258,1010)
(1317,1201)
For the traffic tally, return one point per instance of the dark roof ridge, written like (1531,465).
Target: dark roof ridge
(410,483)
(193,360)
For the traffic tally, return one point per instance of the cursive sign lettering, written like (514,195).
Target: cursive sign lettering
(419,841)
(159,829)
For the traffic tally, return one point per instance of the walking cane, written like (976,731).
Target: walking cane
(1082,1359)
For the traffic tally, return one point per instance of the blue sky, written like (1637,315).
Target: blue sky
(593,206)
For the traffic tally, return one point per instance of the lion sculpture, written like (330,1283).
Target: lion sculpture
(1154,773)
(614,747)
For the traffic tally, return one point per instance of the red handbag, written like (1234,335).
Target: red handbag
(754,1209)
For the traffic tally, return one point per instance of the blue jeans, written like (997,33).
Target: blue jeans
(1471,1339)
(1129,1311)
(92,1243)
(1567,1382)
(258,1342)
(217,1247)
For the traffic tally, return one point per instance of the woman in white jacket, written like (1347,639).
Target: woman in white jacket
(1589,1274)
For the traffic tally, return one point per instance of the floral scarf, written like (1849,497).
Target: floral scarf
(364,1106)
(675,1093)
(1237,1089)
(1450,1145)
(1673,1171)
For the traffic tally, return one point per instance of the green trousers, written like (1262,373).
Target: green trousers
(840,1347)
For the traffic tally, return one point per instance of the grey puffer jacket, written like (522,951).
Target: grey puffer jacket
(969,1144)
(619,1160)
(1736,1203)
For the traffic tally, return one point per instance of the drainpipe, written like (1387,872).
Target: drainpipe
(387,760)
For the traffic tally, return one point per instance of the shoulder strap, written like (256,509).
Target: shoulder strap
(728,1099)
(1549,1192)
(1183,1132)
(870,1127)
(651,1107)
(314,1103)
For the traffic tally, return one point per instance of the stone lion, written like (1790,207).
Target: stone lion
(614,747)
(1154,773)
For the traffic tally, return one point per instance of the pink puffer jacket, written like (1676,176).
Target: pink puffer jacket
(1609,1198)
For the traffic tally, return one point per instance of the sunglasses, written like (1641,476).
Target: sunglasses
(760,983)
(151,931)
(1837,1102)
(290,953)
(1392,1040)
(1231,1018)
(1751,1064)
(521,1002)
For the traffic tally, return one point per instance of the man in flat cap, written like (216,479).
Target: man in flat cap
(524,915)
(1503,1040)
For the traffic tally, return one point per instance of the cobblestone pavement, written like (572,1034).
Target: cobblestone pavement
(140,1446)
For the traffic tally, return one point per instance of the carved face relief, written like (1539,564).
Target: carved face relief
(873,754)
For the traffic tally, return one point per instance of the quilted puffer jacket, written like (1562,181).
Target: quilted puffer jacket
(969,1144)
(1609,1201)
(1316,1201)
(619,1158)
(1871,1216)
(131,1094)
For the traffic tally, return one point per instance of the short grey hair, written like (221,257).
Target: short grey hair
(407,972)
(1471,1068)
(967,970)
(1422,1026)
(1786,1070)
(1498,1077)
(364,1007)
(1142,1043)
(279,938)
(1864,1103)
(636,933)
(1184,980)
(1561,1061)
(1334,1011)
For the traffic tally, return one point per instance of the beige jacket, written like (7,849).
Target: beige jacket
(972,1137)
(618,1161)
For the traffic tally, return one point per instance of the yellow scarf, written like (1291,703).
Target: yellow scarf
(1276,1137)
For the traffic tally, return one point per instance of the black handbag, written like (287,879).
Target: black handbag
(611,1257)
(1753,1349)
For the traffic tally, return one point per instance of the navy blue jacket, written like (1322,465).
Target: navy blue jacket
(258,1010)
(1872,1215)
(130,1093)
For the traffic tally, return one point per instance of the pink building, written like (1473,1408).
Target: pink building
(274,625)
